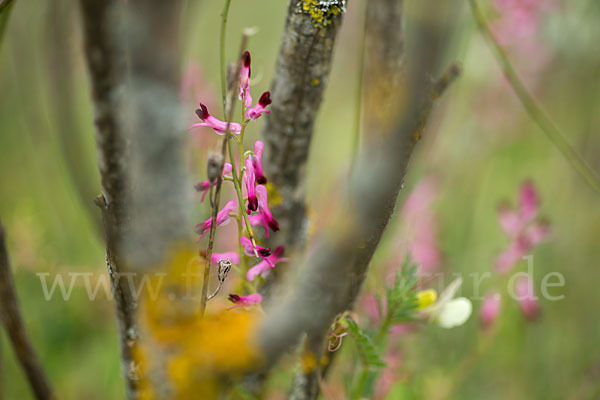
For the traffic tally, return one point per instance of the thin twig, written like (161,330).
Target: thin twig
(532,107)
(15,328)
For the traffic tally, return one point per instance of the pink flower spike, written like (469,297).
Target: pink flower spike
(259,109)
(528,202)
(249,249)
(264,267)
(257,162)
(490,308)
(515,251)
(509,221)
(250,182)
(245,301)
(217,125)
(527,298)
(222,219)
(230,255)
(537,233)
(245,75)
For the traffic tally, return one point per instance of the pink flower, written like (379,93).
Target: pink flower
(250,182)
(249,249)
(264,267)
(245,301)
(217,125)
(204,186)
(245,76)
(490,309)
(522,228)
(255,112)
(264,216)
(419,231)
(222,219)
(371,307)
(257,162)
(230,255)
(389,375)
(526,297)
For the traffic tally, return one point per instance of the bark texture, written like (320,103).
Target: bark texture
(131,52)
(334,269)
(15,329)
(301,75)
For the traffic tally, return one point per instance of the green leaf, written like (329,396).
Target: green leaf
(366,348)
(402,297)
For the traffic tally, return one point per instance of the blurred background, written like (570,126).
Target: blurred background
(479,147)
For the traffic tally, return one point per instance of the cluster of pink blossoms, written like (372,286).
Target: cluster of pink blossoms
(525,230)
(253,180)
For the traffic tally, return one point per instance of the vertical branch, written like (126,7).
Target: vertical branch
(106,64)
(301,75)
(131,52)
(336,265)
(381,75)
(15,328)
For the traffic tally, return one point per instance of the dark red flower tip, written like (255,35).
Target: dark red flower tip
(265,99)
(264,252)
(202,112)
(274,225)
(252,204)
(246,59)
(261,179)
(234,298)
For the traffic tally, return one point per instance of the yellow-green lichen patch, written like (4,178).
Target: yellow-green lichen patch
(322,11)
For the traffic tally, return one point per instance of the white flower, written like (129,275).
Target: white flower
(448,311)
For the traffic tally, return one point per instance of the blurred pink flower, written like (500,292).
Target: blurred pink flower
(204,186)
(222,219)
(526,297)
(419,229)
(264,267)
(245,301)
(217,125)
(389,375)
(517,28)
(490,308)
(523,228)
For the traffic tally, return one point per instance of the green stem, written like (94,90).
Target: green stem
(224,15)
(238,191)
(533,109)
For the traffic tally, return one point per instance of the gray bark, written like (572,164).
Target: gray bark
(132,58)
(334,269)
(301,75)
